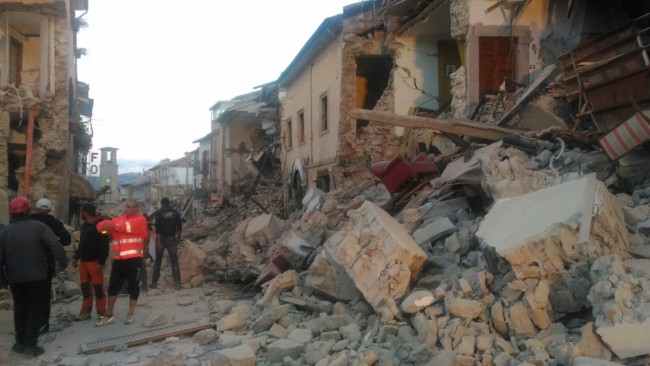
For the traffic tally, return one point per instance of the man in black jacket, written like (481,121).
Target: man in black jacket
(91,256)
(43,208)
(169,227)
(23,266)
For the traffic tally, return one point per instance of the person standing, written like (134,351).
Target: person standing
(91,256)
(128,233)
(43,214)
(169,227)
(24,267)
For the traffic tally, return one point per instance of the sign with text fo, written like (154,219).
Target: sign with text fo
(92,161)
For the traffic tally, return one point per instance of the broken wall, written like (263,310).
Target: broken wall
(50,169)
(359,146)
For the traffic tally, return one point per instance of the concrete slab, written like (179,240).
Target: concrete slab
(541,231)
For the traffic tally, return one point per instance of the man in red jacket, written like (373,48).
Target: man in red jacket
(129,233)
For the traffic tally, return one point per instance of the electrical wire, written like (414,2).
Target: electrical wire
(553,158)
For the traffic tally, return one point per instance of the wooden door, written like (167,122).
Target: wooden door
(497,61)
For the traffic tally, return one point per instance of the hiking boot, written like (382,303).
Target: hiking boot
(105,320)
(178,286)
(129,319)
(33,351)
(83,316)
(153,286)
(18,348)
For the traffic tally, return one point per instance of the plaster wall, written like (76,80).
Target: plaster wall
(319,148)
(416,76)
(236,133)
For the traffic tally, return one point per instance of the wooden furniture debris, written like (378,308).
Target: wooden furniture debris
(602,73)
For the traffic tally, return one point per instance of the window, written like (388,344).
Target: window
(323,113)
(288,134)
(204,163)
(301,127)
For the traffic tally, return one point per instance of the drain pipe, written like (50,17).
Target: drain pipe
(33,114)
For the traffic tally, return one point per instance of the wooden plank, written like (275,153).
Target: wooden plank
(453,126)
(133,339)
(528,94)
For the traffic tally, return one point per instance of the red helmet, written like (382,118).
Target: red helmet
(19,205)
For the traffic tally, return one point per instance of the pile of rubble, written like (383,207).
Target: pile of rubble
(505,258)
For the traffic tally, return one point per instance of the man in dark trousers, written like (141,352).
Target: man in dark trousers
(91,256)
(24,267)
(43,208)
(169,227)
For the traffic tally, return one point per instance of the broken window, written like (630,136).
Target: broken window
(323,181)
(323,113)
(301,127)
(21,47)
(288,134)
(373,73)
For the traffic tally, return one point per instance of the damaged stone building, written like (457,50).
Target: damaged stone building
(44,109)
(240,146)
(408,57)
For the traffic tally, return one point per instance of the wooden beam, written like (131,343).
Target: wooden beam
(456,127)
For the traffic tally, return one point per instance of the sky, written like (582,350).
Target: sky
(155,67)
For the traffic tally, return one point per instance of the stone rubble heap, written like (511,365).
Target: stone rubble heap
(501,261)
(546,276)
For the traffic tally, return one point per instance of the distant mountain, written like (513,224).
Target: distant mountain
(121,179)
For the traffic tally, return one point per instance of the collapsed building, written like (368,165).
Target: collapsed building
(519,237)
(444,203)
(44,109)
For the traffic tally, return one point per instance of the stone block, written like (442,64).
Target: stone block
(205,336)
(278,331)
(318,350)
(231,321)
(434,210)
(434,231)
(282,348)
(266,225)
(378,255)
(520,322)
(190,261)
(227,340)
(328,278)
(271,315)
(241,355)
(155,319)
(416,301)
(301,335)
(464,308)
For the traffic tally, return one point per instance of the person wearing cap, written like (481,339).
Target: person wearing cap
(129,233)
(43,214)
(24,244)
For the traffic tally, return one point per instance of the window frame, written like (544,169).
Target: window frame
(324,113)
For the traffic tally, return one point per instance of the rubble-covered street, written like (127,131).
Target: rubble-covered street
(550,267)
